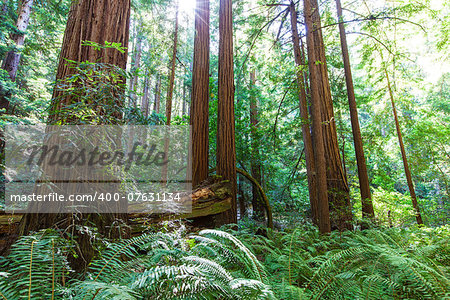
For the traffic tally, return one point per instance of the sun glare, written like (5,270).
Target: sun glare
(187,6)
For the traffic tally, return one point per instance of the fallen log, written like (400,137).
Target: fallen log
(212,197)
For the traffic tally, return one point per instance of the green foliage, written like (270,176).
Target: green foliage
(96,91)
(35,267)
(210,265)
(396,35)
(408,263)
(107,45)
(97,94)
(396,263)
(30,94)
(373,264)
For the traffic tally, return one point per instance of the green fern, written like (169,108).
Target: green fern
(35,267)
(374,264)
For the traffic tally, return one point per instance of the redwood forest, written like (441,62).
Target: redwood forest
(229,149)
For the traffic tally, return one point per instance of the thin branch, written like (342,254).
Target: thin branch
(371,36)
(251,47)
(292,175)
(278,112)
(276,4)
(281,27)
(373,18)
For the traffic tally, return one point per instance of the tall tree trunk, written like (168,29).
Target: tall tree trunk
(338,191)
(12,59)
(404,159)
(145,104)
(366,197)
(306,132)
(135,68)
(157,95)
(258,208)
(316,107)
(98,22)
(200,94)
(134,35)
(183,109)
(241,197)
(172,70)
(170,89)
(199,106)
(226,148)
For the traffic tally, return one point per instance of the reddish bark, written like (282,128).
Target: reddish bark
(200,94)
(226,149)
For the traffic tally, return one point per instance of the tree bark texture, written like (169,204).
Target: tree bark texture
(200,94)
(136,64)
(317,128)
(96,21)
(226,149)
(172,70)
(366,197)
(157,95)
(306,132)
(338,191)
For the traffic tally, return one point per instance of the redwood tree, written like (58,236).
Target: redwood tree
(366,197)
(317,128)
(226,148)
(200,94)
(306,132)
(338,190)
(89,20)
(172,70)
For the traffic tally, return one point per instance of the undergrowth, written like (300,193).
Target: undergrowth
(379,263)
(410,263)
(209,265)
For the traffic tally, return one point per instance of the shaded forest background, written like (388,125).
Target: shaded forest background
(410,40)
(266,73)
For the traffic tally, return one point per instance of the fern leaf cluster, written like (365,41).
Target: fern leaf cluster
(151,266)
(408,263)
(373,264)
